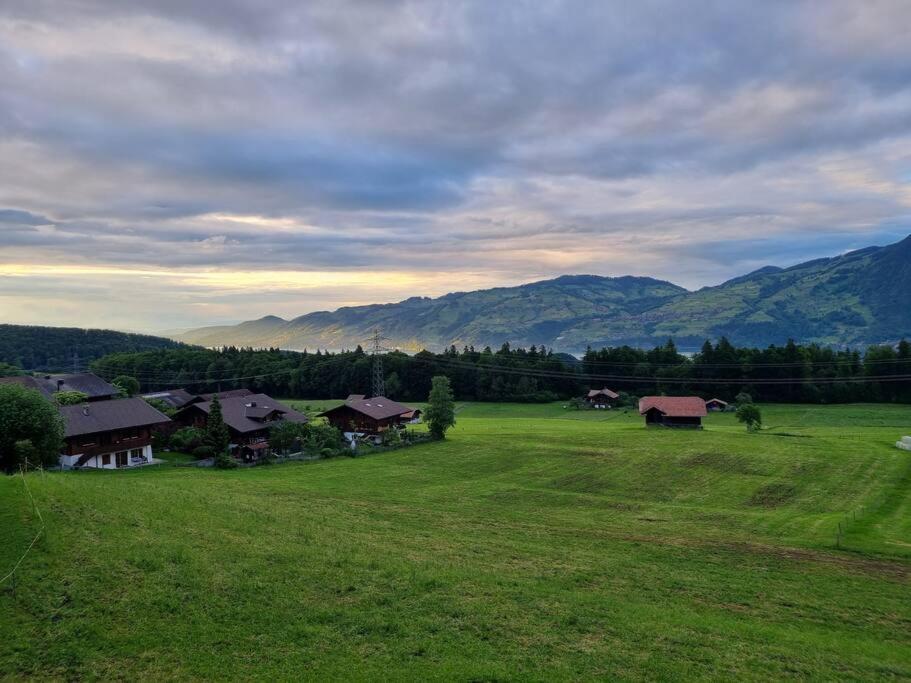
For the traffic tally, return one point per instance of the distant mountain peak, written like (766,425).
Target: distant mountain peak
(853,299)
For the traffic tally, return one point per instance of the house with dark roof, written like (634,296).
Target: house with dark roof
(368,416)
(673,411)
(602,398)
(109,434)
(249,418)
(95,388)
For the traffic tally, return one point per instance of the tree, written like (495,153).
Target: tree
(30,427)
(161,406)
(7,370)
(129,386)
(440,413)
(70,398)
(743,398)
(283,435)
(748,413)
(217,436)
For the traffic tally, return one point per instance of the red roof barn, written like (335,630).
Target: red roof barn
(673,411)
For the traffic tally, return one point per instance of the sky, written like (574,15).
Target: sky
(175,163)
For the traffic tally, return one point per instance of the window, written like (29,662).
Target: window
(106,459)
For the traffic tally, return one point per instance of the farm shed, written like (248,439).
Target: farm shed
(601,398)
(716,405)
(673,411)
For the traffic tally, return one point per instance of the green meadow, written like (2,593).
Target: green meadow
(535,543)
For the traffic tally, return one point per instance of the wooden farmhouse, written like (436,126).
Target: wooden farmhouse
(109,434)
(602,398)
(716,405)
(673,411)
(369,416)
(248,416)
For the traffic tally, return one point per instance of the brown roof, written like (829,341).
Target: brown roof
(246,413)
(602,392)
(106,416)
(86,382)
(674,406)
(378,408)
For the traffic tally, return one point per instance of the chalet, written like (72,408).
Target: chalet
(95,388)
(248,418)
(109,434)
(368,416)
(601,398)
(716,405)
(673,411)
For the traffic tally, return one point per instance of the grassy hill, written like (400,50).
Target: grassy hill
(50,349)
(536,542)
(855,299)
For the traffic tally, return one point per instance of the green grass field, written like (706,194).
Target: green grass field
(534,543)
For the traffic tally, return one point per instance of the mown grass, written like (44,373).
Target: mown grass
(535,542)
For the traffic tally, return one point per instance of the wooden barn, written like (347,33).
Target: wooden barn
(673,411)
(368,416)
(602,398)
(716,405)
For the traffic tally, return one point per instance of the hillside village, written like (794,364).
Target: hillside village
(106,430)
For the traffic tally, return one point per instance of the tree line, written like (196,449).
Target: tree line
(792,373)
(788,373)
(506,374)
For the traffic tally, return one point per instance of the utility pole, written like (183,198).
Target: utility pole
(75,362)
(379,378)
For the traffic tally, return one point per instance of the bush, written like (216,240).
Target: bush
(70,398)
(187,439)
(749,414)
(224,461)
(202,452)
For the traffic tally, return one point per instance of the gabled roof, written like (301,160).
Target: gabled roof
(86,382)
(245,413)
(377,408)
(176,398)
(717,400)
(602,392)
(674,406)
(106,416)
(355,397)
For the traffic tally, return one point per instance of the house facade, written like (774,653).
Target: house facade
(109,434)
(673,411)
(716,405)
(602,398)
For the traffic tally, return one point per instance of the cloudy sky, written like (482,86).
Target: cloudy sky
(182,162)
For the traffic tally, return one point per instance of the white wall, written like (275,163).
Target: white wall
(67,461)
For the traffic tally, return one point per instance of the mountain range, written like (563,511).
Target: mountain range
(858,298)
